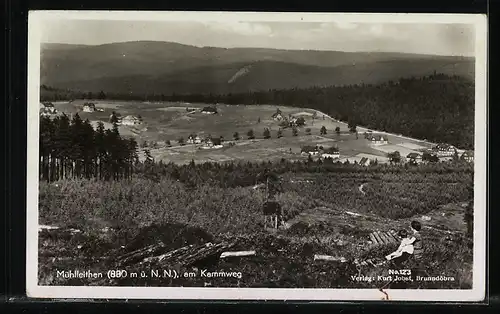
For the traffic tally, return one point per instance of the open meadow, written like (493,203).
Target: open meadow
(165,121)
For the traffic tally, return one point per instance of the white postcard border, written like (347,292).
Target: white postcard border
(477,293)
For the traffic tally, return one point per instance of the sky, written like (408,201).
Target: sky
(436,39)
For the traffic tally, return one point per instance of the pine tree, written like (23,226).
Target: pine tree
(46,145)
(63,147)
(323,130)
(352,126)
(394,157)
(279,134)
(113,118)
(267,133)
(77,148)
(250,135)
(89,149)
(133,157)
(149,160)
(101,149)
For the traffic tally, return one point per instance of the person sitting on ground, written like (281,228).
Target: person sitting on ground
(404,250)
(409,245)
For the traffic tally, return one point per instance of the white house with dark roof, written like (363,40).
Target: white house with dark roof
(212,143)
(414,158)
(377,139)
(209,110)
(331,152)
(89,107)
(468,156)
(444,150)
(47,109)
(45,105)
(194,139)
(277,116)
(310,150)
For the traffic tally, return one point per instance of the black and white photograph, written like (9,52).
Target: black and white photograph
(239,156)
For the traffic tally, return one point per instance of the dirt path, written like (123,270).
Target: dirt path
(364,129)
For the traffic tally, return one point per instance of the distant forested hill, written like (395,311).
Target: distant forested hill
(166,68)
(438,107)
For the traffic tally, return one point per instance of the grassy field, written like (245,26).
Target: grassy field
(169,121)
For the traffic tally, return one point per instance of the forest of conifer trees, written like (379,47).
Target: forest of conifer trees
(71,148)
(438,108)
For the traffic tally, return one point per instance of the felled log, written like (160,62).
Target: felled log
(167,255)
(140,254)
(329,258)
(188,255)
(237,254)
(204,252)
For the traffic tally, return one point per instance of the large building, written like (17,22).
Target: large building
(444,150)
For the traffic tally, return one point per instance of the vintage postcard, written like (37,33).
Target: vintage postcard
(257,156)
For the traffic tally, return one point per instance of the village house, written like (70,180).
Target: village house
(194,139)
(277,116)
(332,152)
(131,120)
(414,158)
(377,139)
(213,143)
(309,150)
(468,156)
(46,105)
(47,109)
(444,150)
(209,110)
(89,107)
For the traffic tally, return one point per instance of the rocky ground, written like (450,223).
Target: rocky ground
(283,258)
